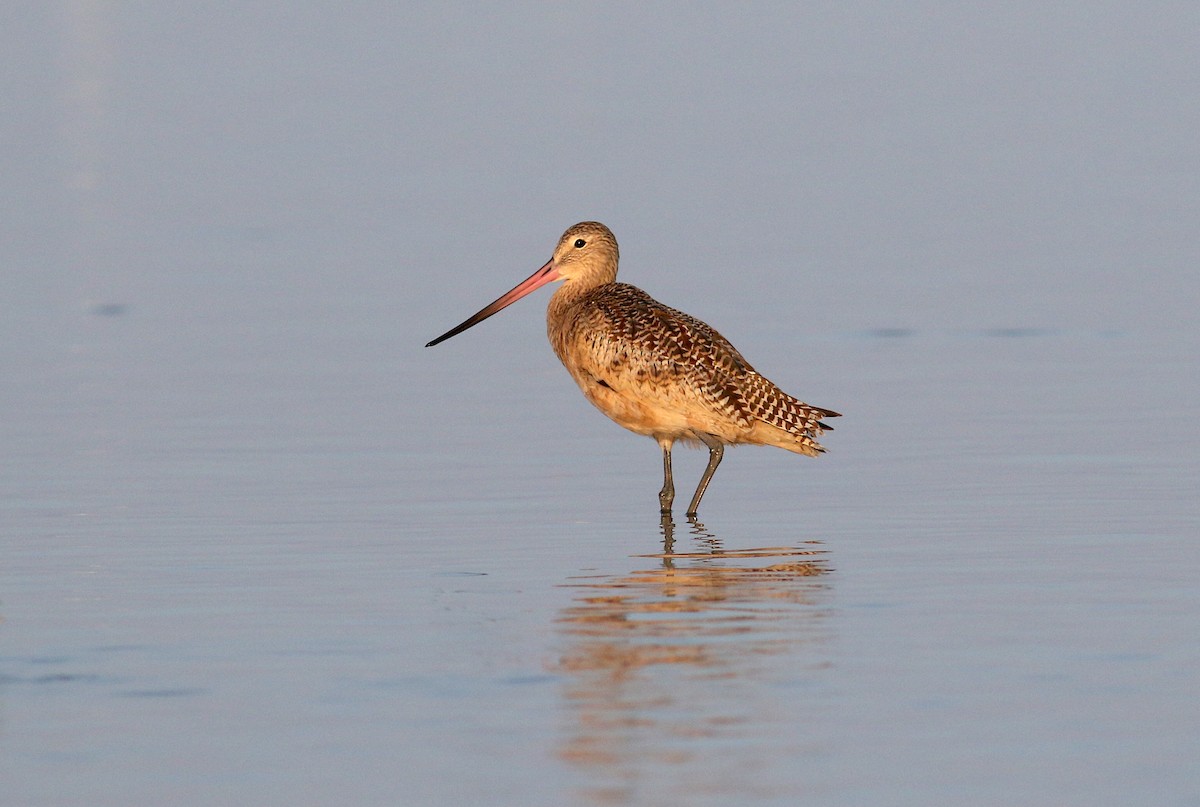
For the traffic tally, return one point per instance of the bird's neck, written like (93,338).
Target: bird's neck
(564,305)
(565,297)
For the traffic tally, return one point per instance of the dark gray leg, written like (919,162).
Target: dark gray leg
(715,452)
(666,496)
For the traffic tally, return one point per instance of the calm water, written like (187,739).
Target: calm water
(258,546)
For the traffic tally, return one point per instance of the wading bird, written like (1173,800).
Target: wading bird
(652,369)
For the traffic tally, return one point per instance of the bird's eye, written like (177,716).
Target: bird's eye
(580,243)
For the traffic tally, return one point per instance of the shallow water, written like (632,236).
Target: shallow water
(259,546)
(262,608)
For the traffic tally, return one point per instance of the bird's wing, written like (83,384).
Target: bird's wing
(641,347)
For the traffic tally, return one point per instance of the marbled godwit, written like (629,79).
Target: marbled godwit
(652,369)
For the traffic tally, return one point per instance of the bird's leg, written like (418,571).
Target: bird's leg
(715,452)
(666,496)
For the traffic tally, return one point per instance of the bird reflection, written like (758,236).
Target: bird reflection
(666,662)
(699,531)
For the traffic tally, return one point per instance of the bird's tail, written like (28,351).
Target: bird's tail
(788,422)
(814,427)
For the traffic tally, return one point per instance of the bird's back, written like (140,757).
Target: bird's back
(661,372)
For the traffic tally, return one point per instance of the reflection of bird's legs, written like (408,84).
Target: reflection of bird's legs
(702,535)
(667,525)
(715,452)
(666,496)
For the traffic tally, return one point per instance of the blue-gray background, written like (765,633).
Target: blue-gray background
(259,545)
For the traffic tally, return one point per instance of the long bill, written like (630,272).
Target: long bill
(541,277)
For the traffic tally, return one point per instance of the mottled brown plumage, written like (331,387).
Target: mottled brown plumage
(654,370)
(618,342)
